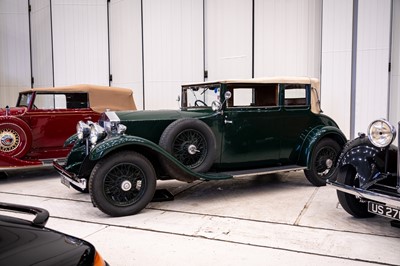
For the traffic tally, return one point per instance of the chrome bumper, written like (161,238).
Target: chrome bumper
(70,177)
(366,194)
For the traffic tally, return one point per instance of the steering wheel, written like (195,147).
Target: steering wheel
(196,103)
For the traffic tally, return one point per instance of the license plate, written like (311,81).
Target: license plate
(383,210)
(65,182)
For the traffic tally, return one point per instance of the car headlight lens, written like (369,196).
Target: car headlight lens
(381,133)
(96,132)
(82,130)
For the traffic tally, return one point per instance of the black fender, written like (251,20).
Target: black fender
(367,159)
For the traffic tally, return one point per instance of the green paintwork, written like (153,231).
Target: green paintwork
(258,137)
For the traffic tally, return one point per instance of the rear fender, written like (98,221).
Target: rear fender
(312,138)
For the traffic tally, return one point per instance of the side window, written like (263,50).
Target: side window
(77,100)
(256,95)
(50,101)
(295,95)
(242,97)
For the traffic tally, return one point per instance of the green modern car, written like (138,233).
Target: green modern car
(224,129)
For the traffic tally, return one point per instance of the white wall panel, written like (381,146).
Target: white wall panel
(394,105)
(173,49)
(287,38)
(372,62)
(126,46)
(41,45)
(80,42)
(14,50)
(228,39)
(336,61)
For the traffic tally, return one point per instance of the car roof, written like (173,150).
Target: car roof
(282,79)
(100,97)
(315,85)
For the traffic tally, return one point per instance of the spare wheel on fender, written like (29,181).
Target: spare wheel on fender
(192,142)
(15,137)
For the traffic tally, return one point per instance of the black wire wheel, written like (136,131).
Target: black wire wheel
(122,184)
(323,162)
(352,204)
(190,148)
(192,143)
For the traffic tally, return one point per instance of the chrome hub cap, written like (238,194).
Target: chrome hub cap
(192,149)
(126,185)
(9,140)
(329,163)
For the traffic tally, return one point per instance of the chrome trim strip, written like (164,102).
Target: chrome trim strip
(238,174)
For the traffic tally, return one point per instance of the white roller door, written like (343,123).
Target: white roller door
(80,42)
(15,71)
(126,46)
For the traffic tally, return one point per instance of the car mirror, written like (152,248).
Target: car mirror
(228,95)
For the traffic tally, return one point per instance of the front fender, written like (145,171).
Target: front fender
(130,142)
(367,160)
(311,139)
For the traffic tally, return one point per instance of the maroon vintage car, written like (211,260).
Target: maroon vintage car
(32,134)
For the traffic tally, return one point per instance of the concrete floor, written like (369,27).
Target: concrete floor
(275,219)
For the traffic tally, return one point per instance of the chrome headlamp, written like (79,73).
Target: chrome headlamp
(96,133)
(381,133)
(82,130)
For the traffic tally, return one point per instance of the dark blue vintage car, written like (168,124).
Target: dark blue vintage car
(368,179)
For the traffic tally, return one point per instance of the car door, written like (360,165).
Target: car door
(53,118)
(296,118)
(250,128)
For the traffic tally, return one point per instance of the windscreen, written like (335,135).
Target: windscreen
(200,96)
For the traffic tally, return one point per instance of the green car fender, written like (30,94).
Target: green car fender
(102,149)
(313,137)
(71,140)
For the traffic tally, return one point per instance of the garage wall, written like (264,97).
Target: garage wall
(80,42)
(394,105)
(41,43)
(336,61)
(228,34)
(125,21)
(173,49)
(287,38)
(177,48)
(14,50)
(372,76)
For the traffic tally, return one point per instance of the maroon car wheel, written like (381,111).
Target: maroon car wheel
(15,138)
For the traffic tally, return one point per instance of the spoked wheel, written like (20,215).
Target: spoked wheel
(15,138)
(122,184)
(191,142)
(350,203)
(323,162)
(190,148)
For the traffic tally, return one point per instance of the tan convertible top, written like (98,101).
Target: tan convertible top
(315,85)
(100,97)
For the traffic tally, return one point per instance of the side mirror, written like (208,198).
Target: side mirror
(228,95)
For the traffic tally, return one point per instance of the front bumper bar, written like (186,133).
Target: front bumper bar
(366,194)
(70,177)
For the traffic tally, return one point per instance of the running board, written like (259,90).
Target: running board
(264,171)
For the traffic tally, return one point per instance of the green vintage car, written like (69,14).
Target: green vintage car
(223,130)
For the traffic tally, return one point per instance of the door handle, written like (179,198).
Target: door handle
(228,121)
